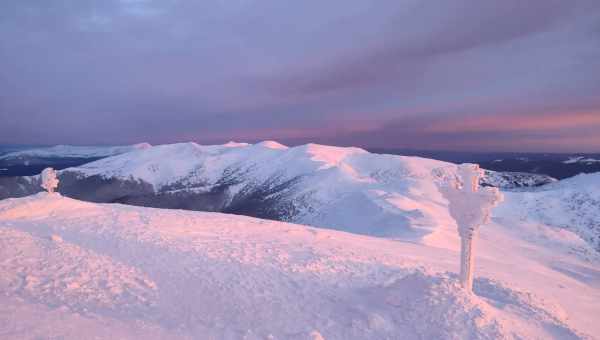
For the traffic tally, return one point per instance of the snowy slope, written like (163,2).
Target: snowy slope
(74,270)
(572,204)
(311,184)
(335,187)
(72,151)
(186,160)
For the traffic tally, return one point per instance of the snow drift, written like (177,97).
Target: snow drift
(74,269)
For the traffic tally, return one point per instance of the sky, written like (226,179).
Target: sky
(480,75)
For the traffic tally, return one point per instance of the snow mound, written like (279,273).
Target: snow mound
(189,275)
(330,156)
(49,271)
(430,306)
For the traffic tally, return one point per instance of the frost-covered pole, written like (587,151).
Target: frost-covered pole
(469,174)
(466,262)
(471,207)
(49,180)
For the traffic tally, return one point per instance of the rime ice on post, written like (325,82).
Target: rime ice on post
(49,180)
(471,207)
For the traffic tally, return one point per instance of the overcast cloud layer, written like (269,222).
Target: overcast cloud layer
(480,75)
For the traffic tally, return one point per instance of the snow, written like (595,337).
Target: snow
(71,151)
(333,187)
(73,270)
(272,145)
(573,204)
(49,180)
(471,207)
(150,165)
(232,144)
(341,188)
(581,159)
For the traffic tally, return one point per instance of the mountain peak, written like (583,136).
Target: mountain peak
(271,144)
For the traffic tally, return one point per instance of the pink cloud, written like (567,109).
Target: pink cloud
(517,122)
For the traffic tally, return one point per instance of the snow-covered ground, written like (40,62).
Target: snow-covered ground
(78,270)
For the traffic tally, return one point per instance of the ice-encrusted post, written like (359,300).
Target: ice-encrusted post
(49,180)
(471,207)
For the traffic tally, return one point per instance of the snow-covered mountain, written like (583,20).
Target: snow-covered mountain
(582,160)
(573,204)
(69,151)
(240,153)
(343,188)
(73,270)
(325,186)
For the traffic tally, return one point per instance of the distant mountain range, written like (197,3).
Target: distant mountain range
(556,165)
(26,161)
(17,160)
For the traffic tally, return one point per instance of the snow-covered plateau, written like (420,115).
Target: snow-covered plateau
(80,270)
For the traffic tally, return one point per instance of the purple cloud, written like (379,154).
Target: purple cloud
(344,72)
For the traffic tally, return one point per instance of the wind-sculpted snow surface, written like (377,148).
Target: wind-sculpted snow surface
(73,270)
(50,271)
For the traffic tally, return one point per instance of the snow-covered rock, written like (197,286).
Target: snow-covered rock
(507,180)
(73,269)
